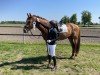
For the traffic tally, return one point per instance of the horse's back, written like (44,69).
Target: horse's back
(73,25)
(72,28)
(75,28)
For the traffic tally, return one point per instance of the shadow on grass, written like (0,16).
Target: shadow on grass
(61,58)
(27,63)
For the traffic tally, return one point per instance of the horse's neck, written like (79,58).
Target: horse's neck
(43,26)
(42,29)
(45,23)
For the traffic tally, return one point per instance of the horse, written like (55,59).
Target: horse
(73,31)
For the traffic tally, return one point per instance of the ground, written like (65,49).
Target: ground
(30,57)
(89,35)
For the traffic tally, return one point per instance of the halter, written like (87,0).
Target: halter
(34,26)
(34,23)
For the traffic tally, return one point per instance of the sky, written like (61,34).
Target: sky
(49,9)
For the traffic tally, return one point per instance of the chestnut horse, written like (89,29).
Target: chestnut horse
(73,31)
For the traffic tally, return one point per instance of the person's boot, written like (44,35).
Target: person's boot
(49,61)
(55,66)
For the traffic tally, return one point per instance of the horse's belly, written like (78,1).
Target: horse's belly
(63,36)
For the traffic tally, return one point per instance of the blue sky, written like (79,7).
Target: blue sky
(49,9)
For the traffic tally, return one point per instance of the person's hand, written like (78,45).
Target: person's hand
(48,41)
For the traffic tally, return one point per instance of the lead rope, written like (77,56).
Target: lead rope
(29,36)
(23,37)
(34,36)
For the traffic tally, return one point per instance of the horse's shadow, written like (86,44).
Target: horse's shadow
(27,63)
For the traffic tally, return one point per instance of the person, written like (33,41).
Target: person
(51,43)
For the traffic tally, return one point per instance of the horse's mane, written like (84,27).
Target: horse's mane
(39,17)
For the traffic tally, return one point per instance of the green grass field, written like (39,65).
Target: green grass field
(30,59)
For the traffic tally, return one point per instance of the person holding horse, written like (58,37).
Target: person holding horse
(71,31)
(51,43)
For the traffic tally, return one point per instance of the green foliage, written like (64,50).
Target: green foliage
(12,22)
(73,19)
(65,20)
(86,17)
(79,23)
(98,17)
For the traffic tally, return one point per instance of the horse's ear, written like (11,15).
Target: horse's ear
(27,14)
(30,14)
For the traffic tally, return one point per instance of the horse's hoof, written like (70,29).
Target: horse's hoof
(71,58)
(54,68)
(49,66)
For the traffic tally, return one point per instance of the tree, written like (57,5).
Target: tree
(65,20)
(73,19)
(86,17)
(12,22)
(2,22)
(79,23)
(99,19)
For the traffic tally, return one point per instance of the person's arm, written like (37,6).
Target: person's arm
(48,37)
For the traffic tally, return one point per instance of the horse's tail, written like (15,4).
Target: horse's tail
(78,44)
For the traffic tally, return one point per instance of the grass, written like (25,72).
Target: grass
(30,59)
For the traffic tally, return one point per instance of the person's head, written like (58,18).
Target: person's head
(53,23)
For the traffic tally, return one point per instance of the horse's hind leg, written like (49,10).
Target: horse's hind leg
(73,48)
(77,46)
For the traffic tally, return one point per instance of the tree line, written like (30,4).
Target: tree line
(12,22)
(86,17)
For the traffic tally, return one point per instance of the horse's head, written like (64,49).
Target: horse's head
(30,23)
(35,21)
